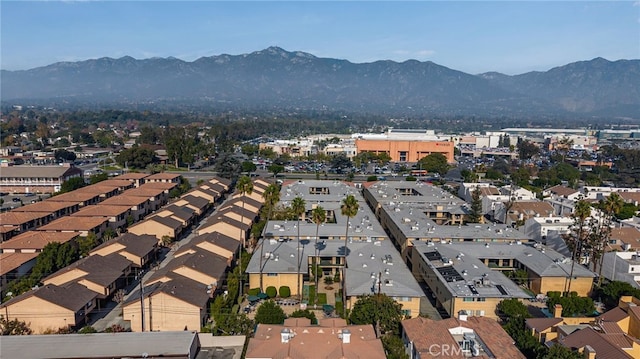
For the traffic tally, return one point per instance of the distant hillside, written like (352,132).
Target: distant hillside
(277,78)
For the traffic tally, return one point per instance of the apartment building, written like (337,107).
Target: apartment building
(413,212)
(330,339)
(36,179)
(469,276)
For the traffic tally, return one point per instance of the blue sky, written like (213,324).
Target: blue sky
(477,36)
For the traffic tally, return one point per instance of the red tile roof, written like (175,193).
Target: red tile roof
(11,261)
(74,224)
(314,341)
(36,240)
(426,332)
(604,348)
(18,218)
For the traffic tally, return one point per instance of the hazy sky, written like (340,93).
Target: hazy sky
(477,36)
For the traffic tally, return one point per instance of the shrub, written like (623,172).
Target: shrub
(254,291)
(411,179)
(87,330)
(305,314)
(372,178)
(285,291)
(271,291)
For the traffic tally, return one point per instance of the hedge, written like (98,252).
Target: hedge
(271,291)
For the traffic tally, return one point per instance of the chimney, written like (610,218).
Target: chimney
(462,316)
(557,311)
(589,352)
(346,336)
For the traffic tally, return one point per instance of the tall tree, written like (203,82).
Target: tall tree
(579,234)
(348,208)
(527,149)
(563,146)
(610,208)
(244,187)
(475,216)
(318,216)
(271,196)
(298,208)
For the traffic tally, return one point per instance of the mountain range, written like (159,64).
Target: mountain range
(277,78)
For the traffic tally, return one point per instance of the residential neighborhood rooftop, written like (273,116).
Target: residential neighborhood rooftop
(35,241)
(100,345)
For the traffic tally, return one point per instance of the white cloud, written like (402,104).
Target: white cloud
(426,53)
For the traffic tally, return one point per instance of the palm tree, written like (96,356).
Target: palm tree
(271,196)
(297,206)
(318,216)
(611,207)
(348,208)
(244,187)
(579,234)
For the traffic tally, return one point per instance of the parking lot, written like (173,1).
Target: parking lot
(10,201)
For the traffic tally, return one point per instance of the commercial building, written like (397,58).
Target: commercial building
(406,150)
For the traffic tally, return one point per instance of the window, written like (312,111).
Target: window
(272,274)
(403,156)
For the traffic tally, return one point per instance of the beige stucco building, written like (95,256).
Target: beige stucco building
(469,276)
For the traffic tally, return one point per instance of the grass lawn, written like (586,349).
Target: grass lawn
(312,294)
(322,298)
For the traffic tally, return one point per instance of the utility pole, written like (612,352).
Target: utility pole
(141,300)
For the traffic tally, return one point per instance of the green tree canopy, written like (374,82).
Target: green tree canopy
(99,177)
(527,149)
(270,313)
(72,184)
(513,308)
(136,157)
(275,169)
(233,324)
(379,310)
(227,165)
(248,166)
(435,162)
(64,155)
